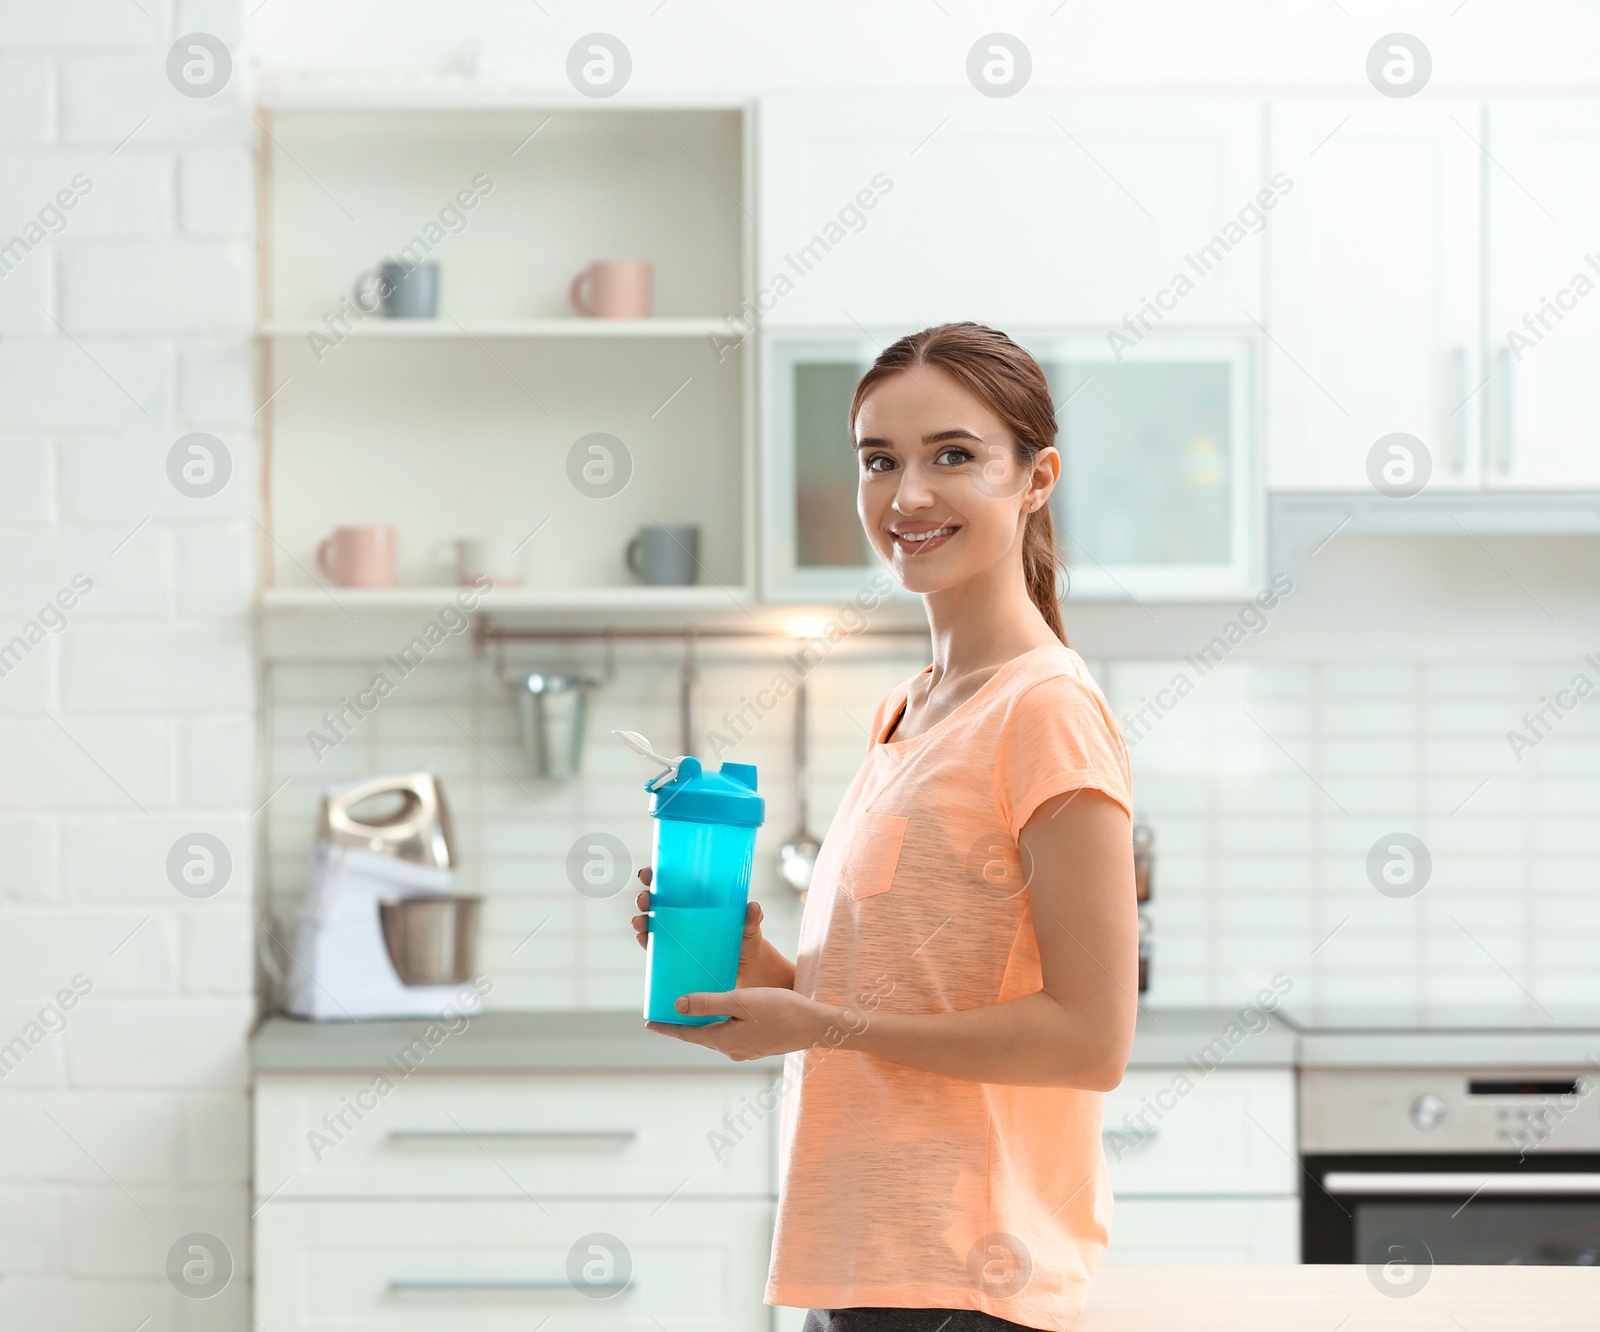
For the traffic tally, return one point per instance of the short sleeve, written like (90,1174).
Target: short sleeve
(1058,736)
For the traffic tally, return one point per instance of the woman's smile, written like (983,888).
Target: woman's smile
(920,538)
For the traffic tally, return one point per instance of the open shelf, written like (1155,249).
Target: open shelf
(697,597)
(483,422)
(458,94)
(376,326)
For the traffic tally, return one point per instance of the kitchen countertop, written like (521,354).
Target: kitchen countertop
(1397,1036)
(1318,1297)
(490,1043)
(1165,1038)
(1451,1049)
(600,1041)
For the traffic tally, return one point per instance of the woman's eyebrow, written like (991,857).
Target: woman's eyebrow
(941,437)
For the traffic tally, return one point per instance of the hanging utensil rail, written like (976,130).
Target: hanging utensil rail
(486,633)
(488,636)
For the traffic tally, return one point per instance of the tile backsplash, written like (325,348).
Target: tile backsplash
(1268,782)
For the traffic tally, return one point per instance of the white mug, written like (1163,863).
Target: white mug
(469,558)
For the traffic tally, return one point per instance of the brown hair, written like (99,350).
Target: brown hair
(1009,383)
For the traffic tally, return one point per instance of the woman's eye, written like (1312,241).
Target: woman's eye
(961,454)
(876,458)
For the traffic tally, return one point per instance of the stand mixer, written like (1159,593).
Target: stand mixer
(379,934)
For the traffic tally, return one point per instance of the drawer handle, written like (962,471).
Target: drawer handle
(446,1290)
(612,1138)
(1128,1136)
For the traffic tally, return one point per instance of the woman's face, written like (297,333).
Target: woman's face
(933,458)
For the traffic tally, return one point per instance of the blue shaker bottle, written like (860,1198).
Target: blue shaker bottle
(704,844)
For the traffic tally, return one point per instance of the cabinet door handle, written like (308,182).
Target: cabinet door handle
(455,1290)
(1458,391)
(613,1138)
(1129,1135)
(1503,408)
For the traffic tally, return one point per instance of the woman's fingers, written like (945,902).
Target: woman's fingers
(641,924)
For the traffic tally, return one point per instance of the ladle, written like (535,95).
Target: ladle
(797,857)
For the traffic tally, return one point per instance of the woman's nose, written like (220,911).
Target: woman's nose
(913,492)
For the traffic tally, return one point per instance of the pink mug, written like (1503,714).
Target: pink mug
(613,289)
(358,556)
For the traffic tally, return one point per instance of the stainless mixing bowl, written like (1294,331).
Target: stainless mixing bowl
(432,940)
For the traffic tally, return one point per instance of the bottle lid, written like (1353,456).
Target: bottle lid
(693,795)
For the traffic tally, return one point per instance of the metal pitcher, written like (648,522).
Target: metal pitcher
(553,711)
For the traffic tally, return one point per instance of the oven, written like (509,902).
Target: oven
(1407,1168)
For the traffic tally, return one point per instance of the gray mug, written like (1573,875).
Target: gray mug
(402,292)
(665,555)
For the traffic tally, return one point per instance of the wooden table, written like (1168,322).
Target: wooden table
(1327,1298)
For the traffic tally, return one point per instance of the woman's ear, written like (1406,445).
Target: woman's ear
(1046,472)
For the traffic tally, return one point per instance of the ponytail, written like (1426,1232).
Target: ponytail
(1040,562)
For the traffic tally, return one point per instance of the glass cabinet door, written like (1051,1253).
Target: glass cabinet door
(815,547)
(1157,497)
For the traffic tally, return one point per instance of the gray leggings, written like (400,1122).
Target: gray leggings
(906,1320)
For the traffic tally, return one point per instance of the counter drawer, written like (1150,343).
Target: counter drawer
(494,1266)
(1205,1230)
(581,1135)
(1180,1130)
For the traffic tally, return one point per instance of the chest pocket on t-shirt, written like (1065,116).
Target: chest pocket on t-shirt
(873,854)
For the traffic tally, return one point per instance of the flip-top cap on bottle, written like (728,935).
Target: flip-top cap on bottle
(697,796)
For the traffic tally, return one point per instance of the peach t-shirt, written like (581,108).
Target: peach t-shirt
(909,1189)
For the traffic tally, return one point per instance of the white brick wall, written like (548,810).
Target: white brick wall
(132,725)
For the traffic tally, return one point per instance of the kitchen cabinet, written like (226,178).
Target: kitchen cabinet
(501,1200)
(1159,495)
(1206,1174)
(1224,1136)
(503,1264)
(1040,209)
(506,415)
(455,1197)
(566,1134)
(1544,293)
(1376,288)
(1205,1230)
(814,545)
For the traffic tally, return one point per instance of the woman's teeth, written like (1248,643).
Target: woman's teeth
(923,536)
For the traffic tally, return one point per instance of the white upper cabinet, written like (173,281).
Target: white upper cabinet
(1376,288)
(1544,293)
(1078,211)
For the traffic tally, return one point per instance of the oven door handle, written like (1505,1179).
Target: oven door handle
(1431,1182)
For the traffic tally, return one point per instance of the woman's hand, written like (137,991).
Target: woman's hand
(761,1021)
(760,964)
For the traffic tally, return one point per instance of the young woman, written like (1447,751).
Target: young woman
(966,983)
